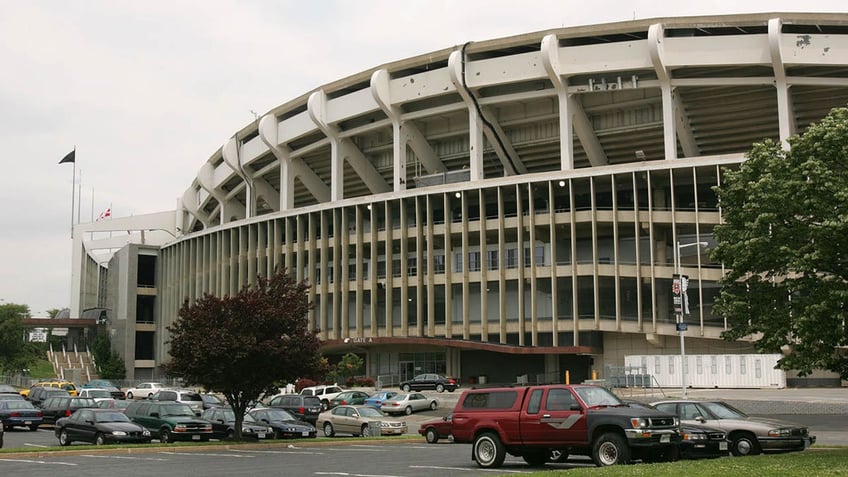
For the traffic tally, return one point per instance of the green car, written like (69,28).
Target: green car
(170,421)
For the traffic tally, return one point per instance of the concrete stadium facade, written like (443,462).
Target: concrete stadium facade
(509,209)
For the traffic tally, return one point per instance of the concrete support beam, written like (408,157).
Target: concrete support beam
(785,112)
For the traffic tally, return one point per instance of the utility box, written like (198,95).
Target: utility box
(374,428)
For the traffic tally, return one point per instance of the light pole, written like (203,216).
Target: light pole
(680,289)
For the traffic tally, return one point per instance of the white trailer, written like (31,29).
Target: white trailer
(708,370)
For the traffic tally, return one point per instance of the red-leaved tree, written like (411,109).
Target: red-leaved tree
(243,345)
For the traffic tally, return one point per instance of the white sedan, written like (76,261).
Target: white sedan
(144,390)
(408,403)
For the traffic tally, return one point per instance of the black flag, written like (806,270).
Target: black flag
(70,157)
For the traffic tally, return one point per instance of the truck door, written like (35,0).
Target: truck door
(556,420)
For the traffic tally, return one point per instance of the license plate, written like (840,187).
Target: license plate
(665,438)
(260,435)
(305,433)
(722,446)
(195,437)
(26,423)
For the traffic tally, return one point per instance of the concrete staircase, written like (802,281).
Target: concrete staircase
(72,365)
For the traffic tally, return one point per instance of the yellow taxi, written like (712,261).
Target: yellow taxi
(66,385)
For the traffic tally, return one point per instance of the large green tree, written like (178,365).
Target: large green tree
(785,242)
(244,345)
(16,352)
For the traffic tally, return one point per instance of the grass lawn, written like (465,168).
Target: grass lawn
(813,462)
(41,369)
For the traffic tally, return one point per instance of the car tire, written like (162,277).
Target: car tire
(405,388)
(488,450)
(408,410)
(150,396)
(431,436)
(129,395)
(230,435)
(325,405)
(364,430)
(610,449)
(328,429)
(165,436)
(440,388)
(434,405)
(64,440)
(744,444)
(99,440)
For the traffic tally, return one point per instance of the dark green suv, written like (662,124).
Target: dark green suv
(169,421)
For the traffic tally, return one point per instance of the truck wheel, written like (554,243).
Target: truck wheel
(744,444)
(610,449)
(165,435)
(488,451)
(431,435)
(536,458)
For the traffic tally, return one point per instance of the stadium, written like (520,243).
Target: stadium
(510,210)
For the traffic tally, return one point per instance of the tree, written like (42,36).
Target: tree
(348,367)
(16,352)
(785,240)
(109,364)
(243,345)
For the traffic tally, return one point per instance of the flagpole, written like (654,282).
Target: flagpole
(73,193)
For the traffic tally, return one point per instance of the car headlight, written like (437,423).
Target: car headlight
(782,432)
(145,433)
(119,433)
(245,430)
(638,422)
(694,436)
(270,430)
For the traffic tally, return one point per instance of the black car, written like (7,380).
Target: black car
(223,425)
(304,408)
(7,389)
(99,426)
(285,425)
(697,442)
(39,394)
(55,408)
(2,431)
(429,381)
(20,414)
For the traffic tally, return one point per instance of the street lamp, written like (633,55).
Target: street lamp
(679,289)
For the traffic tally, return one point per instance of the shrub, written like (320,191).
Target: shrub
(360,381)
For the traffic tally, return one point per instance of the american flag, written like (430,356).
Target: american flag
(105,214)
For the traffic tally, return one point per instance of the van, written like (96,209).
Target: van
(305,408)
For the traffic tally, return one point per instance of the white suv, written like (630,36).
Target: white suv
(324,392)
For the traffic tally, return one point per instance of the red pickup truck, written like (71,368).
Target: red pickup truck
(545,423)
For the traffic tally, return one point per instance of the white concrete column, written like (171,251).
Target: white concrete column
(656,34)
(316,106)
(785,113)
(550,60)
(456,68)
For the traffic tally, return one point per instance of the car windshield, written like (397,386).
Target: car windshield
(190,397)
(110,417)
(724,411)
(83,402)
(280,415)
(211,399)
(597,396)
(177,410)
(370,412)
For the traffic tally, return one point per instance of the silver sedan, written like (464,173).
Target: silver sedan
(408,403)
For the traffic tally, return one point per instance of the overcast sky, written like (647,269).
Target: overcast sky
(148,90)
